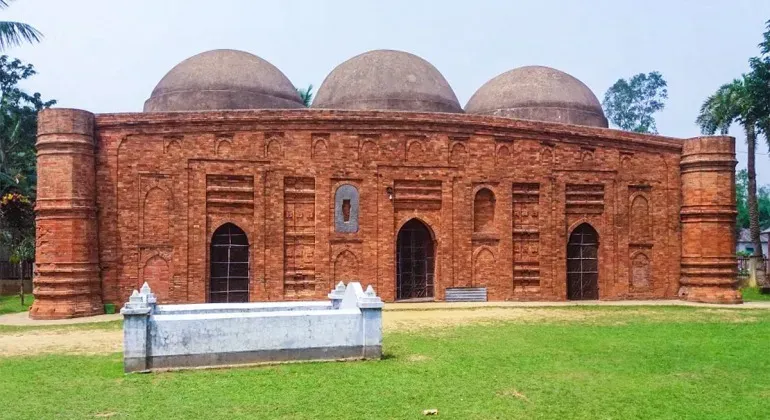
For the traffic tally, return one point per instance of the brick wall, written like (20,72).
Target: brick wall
(500,198)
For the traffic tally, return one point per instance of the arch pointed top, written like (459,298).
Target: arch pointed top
(229,233)
(583,228)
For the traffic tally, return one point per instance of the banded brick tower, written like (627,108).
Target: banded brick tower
(67,281)
(708,220)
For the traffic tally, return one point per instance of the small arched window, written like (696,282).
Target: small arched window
(346,209)
(484,211)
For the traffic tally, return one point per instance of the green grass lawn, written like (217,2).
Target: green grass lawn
(751,294)
(12,304)
(672,363)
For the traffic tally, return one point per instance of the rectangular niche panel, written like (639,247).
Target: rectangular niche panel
(526,236)
(299,237)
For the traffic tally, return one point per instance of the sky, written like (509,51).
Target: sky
(107,55)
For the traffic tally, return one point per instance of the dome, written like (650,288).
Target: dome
(538,93)
(223,79)
(387,80)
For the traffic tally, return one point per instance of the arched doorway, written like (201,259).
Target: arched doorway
(414,261)
(229,280)
(583,264)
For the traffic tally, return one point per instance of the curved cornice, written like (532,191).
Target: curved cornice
(374,121)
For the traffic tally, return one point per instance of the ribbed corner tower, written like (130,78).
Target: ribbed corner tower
(67,281)
(708,220)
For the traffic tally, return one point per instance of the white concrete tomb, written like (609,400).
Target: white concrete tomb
(348,326)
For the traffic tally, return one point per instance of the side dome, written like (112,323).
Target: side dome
(223,79)
(538,93)
(387,80)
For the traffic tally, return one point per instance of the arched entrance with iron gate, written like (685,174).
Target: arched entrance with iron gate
(229,260)
(415,261)
(583,263)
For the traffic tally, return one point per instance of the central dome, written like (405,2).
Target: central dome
(387,80)
(223,79)
(538,93)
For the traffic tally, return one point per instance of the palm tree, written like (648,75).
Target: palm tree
(735,102)
(718,111)
(14,33)
(305,94)
(760,70)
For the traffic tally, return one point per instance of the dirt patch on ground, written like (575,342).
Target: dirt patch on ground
(75,340)
(61,341)
(416,358)
(512,392)
(418,320)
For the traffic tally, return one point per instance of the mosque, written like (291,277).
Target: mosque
(228,189)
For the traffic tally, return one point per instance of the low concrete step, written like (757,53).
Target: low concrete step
(466,294)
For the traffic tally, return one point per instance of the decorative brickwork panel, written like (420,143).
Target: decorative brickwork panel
(229,194)
(418,194)
(526,236)
(640,238)
(458,154)
(484,266)
(273,145)
(299,237)
(157,274)
(415,150)
(320,147)
(503,154)
(585,198)
(346,267)
(369,150)
(224,146)
(640,226)
(641,273)
(156,215)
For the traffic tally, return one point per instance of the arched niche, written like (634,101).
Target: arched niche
(156,213)
(484,211)
(346,209)
(641,231)
(157,274)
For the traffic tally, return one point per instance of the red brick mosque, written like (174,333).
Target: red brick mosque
(228,189)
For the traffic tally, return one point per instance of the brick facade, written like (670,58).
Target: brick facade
(128,198)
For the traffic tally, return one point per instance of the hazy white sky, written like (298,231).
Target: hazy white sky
(107,55)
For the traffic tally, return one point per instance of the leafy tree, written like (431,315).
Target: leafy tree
(306,95)
(17,231)
(18,127)
(630,104)
(14,33)
(18,131)
(741,199)
(760,84)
